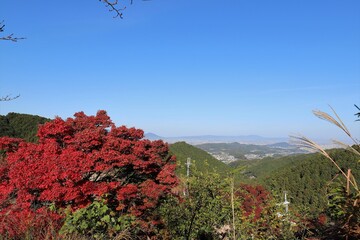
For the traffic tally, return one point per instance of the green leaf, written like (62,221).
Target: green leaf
(106,219)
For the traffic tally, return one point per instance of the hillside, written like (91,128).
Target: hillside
(21,125)
(306,177)
(202,160)
(262,168)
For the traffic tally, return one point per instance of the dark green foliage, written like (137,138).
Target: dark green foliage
(19,125)
(341,203)
(344,208)
(5,128)
(263,168)
(305,177)
(307,180)
(97,221)
(205,208)
(204,161)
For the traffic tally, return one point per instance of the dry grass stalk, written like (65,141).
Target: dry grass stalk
(308,144)
(339,123)
(347,147)
(124,235)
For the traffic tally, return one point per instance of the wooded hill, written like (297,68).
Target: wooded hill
(305,177)
(258,169)
(200,159)
(20,125)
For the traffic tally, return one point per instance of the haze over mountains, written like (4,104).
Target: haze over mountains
(242,139)
(231,152)
(194,140)
(228,149)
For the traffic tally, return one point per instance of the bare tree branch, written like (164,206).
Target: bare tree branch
(357,114)
(9,37)
(112,5)
(8,98)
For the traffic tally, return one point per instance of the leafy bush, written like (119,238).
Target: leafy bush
(98,221)
(201,211)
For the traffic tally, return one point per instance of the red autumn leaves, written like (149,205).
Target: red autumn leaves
(79,160)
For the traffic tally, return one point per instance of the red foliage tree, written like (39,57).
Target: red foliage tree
(79,160)
(255,198)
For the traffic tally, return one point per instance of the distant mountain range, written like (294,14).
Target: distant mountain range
(194,140)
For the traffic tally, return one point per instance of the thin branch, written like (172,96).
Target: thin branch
(8,98)
(9,37)
(357,114)
(113,8)
(2,26)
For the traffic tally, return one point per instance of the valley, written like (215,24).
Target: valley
(231,152)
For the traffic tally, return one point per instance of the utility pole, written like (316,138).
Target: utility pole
(286,203)
(188,163)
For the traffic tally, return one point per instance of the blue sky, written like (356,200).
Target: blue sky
(186,67)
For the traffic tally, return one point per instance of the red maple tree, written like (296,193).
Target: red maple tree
(78,160)
(255,198)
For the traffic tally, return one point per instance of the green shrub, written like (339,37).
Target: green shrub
(97,221)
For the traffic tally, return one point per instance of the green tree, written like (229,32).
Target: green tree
(204,208)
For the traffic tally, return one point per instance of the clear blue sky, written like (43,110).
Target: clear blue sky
(181,67)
